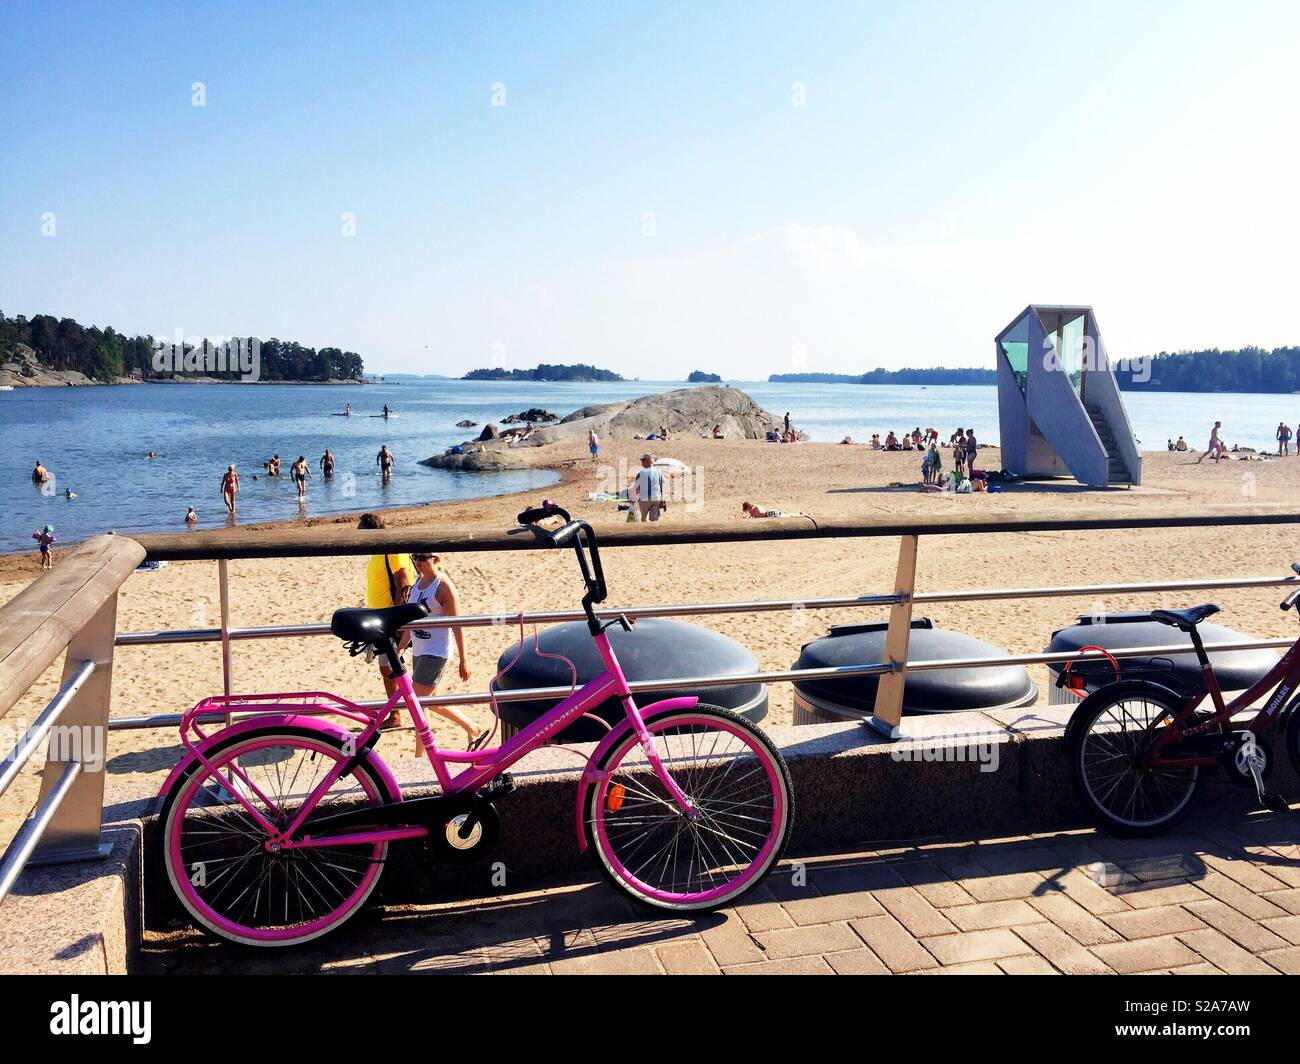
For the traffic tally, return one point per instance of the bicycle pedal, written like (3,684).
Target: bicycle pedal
(1274,801)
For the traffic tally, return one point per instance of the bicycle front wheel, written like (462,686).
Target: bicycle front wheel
(216,853)
(737,783)
(1120,790)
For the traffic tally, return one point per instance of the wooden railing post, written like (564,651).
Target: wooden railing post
(888,715)
(81,736)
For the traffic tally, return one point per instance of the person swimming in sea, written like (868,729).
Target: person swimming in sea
(68,493)
(40,475)
(191,518)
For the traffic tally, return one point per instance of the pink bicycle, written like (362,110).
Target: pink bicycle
(276,828)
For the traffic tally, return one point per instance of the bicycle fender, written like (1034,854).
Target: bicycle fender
(325,728)
(592,773)
(1110,690)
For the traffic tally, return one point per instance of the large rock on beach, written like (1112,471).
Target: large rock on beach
(489,433)
(535,413)
(492,460)
(684,412)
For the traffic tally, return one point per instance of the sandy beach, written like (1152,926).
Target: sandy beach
(817,479)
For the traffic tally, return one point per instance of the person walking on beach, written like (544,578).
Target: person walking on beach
(230,487)
(44,537)
(385,460)
(1283,438)
(327,464)
(648,490)
(1216,449)
(431,646)
(388,582)
(300,472)
(593,443)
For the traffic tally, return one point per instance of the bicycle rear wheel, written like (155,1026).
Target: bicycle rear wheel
(215,852)
(1110,735)
(734,777)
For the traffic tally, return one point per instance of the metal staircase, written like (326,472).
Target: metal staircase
(1116,471)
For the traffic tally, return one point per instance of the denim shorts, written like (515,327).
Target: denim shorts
(426,669)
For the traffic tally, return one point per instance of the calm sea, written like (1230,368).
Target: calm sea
(95,439)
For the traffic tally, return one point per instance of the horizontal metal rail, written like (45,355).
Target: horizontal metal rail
(704,609)
(33,828)
(848,672)
(12,765)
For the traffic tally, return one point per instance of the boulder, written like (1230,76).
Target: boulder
(534,414)
(489,433)
(683,412)
(466,424)
(475,461)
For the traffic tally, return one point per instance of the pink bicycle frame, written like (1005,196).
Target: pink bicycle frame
(483,765)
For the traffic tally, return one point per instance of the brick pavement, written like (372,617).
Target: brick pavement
(1022,905)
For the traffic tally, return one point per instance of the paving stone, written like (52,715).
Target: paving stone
(789,966)
(1246,932)
(1061,950)
(1286,960)
(975,946)
(730,943)
(1004,888)
(855,876)
(1074,920)
(762,912)
(617,962)
(1170,894)
(826,909)
(933,883)
(984,915)
(1013,859)
(1080,888)
(856,962)
(914,912)
(1152,923)
(972,968)
(687,958)
(1196,969)
(1145,954)
(1288,927)
(1234,894)
(1030,964)
(1244,872)
(1285,899)
(806,941)
(1223,953)
(890,941)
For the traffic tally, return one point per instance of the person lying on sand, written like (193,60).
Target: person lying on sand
(753,511)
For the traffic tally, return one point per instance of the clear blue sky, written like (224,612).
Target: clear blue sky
(746,188)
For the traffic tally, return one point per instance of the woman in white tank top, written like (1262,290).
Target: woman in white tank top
(431,646)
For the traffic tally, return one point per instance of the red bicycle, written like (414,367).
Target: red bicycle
(1140,749)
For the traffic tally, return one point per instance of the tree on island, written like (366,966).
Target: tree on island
(105,354)
(700,377)
(579,372)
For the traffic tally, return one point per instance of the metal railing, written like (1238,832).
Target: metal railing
(66,822)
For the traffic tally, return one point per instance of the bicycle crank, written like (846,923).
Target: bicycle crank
(1249,763)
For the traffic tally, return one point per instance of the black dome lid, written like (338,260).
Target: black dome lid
(1235,669)
(931,691)
(655,649)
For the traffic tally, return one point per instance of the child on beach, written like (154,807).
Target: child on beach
(44,537)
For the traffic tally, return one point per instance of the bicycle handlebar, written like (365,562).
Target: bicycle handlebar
(583,538)
(1291,599)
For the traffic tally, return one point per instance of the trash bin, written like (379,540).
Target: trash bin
(655,649)
(931,691)
(1235,669)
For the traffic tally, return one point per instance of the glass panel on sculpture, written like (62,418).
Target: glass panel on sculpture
(1014,346)
(1070,348)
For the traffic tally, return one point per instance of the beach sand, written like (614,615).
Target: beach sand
(818,479)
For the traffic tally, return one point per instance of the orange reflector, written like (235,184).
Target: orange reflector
(614,800)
